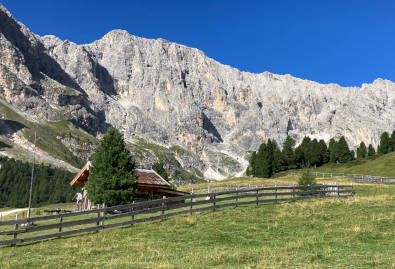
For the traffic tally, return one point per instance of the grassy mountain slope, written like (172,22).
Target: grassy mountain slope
(322,233)
(383,165)
(49,137)
(62,141)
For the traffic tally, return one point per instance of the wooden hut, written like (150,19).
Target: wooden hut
(150,186)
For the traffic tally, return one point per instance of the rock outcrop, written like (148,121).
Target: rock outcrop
(175,95)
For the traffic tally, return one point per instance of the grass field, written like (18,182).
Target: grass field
(324,233)
(380,166)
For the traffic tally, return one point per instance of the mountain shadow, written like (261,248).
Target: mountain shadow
(36,60)
(4,145)
(210,128)
(105,81)
(8,127)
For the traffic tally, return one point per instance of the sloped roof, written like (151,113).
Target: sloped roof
(144,176)
(150,177)
(81,177)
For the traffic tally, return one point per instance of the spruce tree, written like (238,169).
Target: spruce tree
(392,142)
(332,150)
(384,144)
(324,152)
(251,166)
(260,160)
(361,151)
(268,160)
(299,158)
(342,151)
(307,151)
(288,153)
(158,168)
(315,152)
(371,151)
(111,178)
(278,162)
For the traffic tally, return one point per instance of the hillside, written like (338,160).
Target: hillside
(169,95)
(324,233)
(380,166)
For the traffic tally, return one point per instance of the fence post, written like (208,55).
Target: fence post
(214,200)
(60,222)
(276,194)
(132,213)
(257,199)
(190,209)
(293,192)
(103,214)
(237,196)
(163,208)
(16,228)
(98,217)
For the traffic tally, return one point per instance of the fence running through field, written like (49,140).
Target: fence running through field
(354,177)
(17,231)
(222,188)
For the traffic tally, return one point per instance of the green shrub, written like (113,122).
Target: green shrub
(307,178)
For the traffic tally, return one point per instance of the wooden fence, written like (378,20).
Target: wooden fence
(371,179)
(229,187)
(60,225)
(355,177)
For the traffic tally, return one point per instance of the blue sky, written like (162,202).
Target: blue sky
(346,42)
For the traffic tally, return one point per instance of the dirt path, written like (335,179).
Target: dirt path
(8,212)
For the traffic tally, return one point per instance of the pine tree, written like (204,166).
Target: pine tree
(361,151)
(158,168)
(278,162)
(342,151)
(392,142)
(111,177)
(268,160)
(299,158)
(260,160)
(307,151)
(251,169)
(384,144)
(314,149)
(50,185)
(288,153)
(324,152)
(371,151)
(332,150)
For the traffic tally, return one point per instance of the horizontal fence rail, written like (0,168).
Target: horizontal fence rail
(354,177)
(55,226)
(211,189)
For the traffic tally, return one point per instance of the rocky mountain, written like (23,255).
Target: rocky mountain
(172,102)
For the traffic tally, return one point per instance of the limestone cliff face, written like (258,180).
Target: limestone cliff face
(172,94)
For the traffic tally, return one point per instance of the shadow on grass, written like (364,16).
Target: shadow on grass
(4,145)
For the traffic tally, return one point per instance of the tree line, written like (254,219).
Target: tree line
(50,185)
(270,159)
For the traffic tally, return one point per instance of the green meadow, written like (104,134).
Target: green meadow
(354,232)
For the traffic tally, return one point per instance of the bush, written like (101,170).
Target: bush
(306,179)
